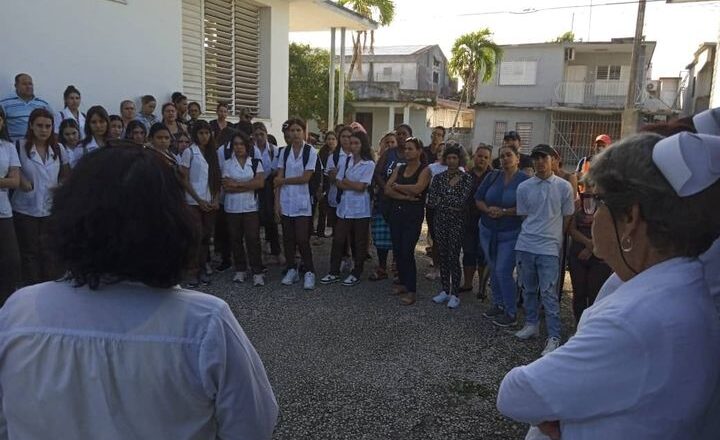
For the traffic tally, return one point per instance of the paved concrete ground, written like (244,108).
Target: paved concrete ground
(351,363)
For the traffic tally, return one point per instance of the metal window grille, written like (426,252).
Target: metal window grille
(573,133)
(500,129)
(524,129)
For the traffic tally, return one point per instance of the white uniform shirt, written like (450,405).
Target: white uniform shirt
(355,204)
(295,199)
(128,362)
(8,159)
(193,159)
(269,163)
(642,365)
(331,165)
(67,114)
(74,154)
(44,177)
(236,203)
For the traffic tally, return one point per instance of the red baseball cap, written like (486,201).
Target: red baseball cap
(604,139)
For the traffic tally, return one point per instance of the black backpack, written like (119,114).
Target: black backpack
(339,191)
(316,179)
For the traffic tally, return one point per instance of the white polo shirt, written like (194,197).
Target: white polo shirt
(295,199)
(238,203)
(8,159)
(269,163)
(355,204)
(193,159)
(331,165)
(44,177)
(67,114)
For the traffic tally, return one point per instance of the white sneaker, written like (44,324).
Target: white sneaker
(239,277)
(528,331)
(551,345)
(258,280)
(290,277)
(346,265)
(453,302)
(309,283)
(432,275)
(351,280)
(441,297)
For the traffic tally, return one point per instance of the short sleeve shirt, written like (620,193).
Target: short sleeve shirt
(236,203)
(295,199)
(44,176)
(193,159)
(8,159)
(355,204)
(544,202)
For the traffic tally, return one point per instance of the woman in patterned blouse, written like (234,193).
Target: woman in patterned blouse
(449,192)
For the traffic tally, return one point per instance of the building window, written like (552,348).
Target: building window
(436,63)
(524,129)
(436,77)
(518,73)
(500,129)
(608,73)
(387,71)
(221,53)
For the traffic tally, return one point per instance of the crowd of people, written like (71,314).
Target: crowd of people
(517,222)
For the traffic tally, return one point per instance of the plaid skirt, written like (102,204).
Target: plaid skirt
(380,232)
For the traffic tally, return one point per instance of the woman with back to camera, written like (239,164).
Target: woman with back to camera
(9,179)
(407,188)
(643,363)
(71,110)
(353,211)
(201,171)
(44,165)
(152,360)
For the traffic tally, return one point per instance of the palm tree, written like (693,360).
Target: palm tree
(473,60)
(381,11)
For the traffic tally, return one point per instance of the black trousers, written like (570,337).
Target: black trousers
(37,262)
(9,259)
(405,227)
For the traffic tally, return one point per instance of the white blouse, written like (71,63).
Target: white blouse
(295,199)
(642,365)
(236,203)
(193,159)
(331,165)
(8,159)
(355,204)
(67,114)
(44,177)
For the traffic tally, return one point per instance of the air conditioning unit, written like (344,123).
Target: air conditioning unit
(653,87)
(569,53)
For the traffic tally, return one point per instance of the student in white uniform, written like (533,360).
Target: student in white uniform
(354,211)
(9,179)
(44,164)
(135,131)
(243,176)
(69,138)
(643,363)
(296,165)
(334,162)
(268,153)
(117,127)
(96,131)
(201,171)
(71,97)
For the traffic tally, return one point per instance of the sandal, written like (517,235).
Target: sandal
(379,274)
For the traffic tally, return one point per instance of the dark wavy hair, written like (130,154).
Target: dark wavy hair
(30,135)
(4,135)
(92,111)
(366,152)
(209,152)
(67,123)
(122,215)
(457,150)
(132,125)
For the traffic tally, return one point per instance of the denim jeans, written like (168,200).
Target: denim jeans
(500,256)
(539,273)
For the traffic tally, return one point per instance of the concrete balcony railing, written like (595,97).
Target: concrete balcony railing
(598,94)
(390,92)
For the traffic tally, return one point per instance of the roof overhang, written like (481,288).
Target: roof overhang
(321,15)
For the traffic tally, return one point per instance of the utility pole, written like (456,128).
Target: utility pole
(630,117)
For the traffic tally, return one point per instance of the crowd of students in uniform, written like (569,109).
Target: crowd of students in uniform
(649,198)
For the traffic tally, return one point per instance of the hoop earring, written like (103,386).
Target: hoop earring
(626,244)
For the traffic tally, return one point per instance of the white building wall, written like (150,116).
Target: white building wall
(485,119)
(117,51)
(274,65)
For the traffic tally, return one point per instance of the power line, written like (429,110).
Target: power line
(555,8)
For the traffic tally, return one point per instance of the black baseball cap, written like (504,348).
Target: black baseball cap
(512,135)
(544,150)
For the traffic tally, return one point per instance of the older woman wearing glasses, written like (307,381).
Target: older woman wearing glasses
(643,363)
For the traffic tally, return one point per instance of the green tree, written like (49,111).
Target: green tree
(308,88)
(474,57)
(567,37)
(381,11)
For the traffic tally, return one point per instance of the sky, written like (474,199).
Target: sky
(678,29)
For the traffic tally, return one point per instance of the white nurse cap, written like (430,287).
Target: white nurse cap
(690,162)
(708,122)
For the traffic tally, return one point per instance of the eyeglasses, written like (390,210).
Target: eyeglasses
(590,202)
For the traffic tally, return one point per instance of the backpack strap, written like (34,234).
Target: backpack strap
(286,154)
(336,155)
(254,164)
(306,155)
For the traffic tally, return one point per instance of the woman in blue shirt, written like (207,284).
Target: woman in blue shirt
(499,229)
